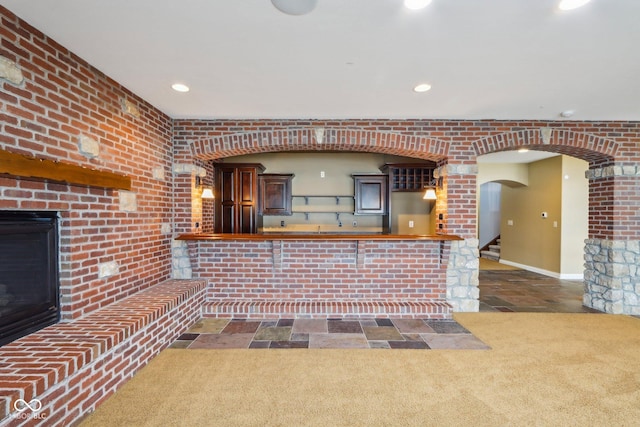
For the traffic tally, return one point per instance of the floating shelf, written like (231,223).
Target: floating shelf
(307,197)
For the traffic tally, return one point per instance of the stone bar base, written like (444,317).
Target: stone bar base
(612,276)
(463,292)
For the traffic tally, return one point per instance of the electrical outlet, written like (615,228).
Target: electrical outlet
(410,224)
(322,174)
(355,223)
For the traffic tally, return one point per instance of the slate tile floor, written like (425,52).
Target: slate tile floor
(500,290)
(526,291)
(328,333)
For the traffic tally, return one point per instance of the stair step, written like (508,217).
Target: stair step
(495,256)
(494,248)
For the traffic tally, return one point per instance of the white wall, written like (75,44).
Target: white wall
(575,216)
(489,212)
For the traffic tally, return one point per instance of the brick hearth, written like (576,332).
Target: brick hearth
(70,368)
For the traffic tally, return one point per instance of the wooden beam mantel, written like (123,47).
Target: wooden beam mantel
(23,166)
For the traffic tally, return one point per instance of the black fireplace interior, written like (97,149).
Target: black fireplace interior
(29,282)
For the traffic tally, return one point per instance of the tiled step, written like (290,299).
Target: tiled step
(250,309)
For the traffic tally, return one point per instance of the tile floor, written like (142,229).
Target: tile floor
(525,291)
(328,333)
(500,290)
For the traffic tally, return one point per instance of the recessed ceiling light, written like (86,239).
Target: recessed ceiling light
(572,4)
(416,4)
(567,113)
(523,150)
(423,87)
(179,87)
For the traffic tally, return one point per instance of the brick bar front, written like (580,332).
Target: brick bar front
(322,277)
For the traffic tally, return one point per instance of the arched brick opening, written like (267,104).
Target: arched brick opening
(596,150)
(599,152)
(459,286)
(320,139)
(610,257)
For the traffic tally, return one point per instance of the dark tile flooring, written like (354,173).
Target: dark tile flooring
(328,333)
(500,291)
(526,291)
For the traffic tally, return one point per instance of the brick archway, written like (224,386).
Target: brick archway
(596,150)
(331,139)
(611,284)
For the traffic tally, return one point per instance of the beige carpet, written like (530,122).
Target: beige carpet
(543,369)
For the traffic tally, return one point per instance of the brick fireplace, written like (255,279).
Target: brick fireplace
(29,284)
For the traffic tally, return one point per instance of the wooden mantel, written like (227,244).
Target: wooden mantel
(19,165)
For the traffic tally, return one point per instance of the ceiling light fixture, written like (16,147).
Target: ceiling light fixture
(295,7)
(179,87)
(567,113)
(523,150)
(572,4)
(423,87)
(416,4)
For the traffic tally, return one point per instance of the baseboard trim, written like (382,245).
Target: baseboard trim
(543,272)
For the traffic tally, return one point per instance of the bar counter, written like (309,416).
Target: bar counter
(316,236)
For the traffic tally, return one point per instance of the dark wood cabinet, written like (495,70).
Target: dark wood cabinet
(236,206)
(371,194)
(274,194)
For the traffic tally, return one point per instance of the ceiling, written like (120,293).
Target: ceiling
(489,59)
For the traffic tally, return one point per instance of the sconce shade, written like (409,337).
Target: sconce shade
(207,194)
(430,194)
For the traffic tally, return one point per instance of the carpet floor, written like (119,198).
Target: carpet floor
(545,369)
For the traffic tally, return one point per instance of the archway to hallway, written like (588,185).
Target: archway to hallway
(545,217)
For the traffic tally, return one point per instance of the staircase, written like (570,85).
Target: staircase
(492,250)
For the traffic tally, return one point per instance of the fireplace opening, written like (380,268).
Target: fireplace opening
(29,281)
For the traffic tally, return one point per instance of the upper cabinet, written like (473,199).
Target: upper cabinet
(274,194)
(370,194)
(236,205)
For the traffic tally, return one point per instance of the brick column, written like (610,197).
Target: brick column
(612,252)
(459,185)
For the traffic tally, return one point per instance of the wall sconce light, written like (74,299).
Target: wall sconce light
(207,193)
(430,193)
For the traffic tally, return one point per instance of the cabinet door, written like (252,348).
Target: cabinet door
(370,194)
(226,209)
(236,206)
(247,200)
(275,194)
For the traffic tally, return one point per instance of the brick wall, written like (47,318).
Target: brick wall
(452,143)
(61,99)
(399,271)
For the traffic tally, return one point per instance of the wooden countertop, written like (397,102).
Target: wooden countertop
(315,236)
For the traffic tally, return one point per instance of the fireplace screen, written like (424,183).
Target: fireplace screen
(28,273)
